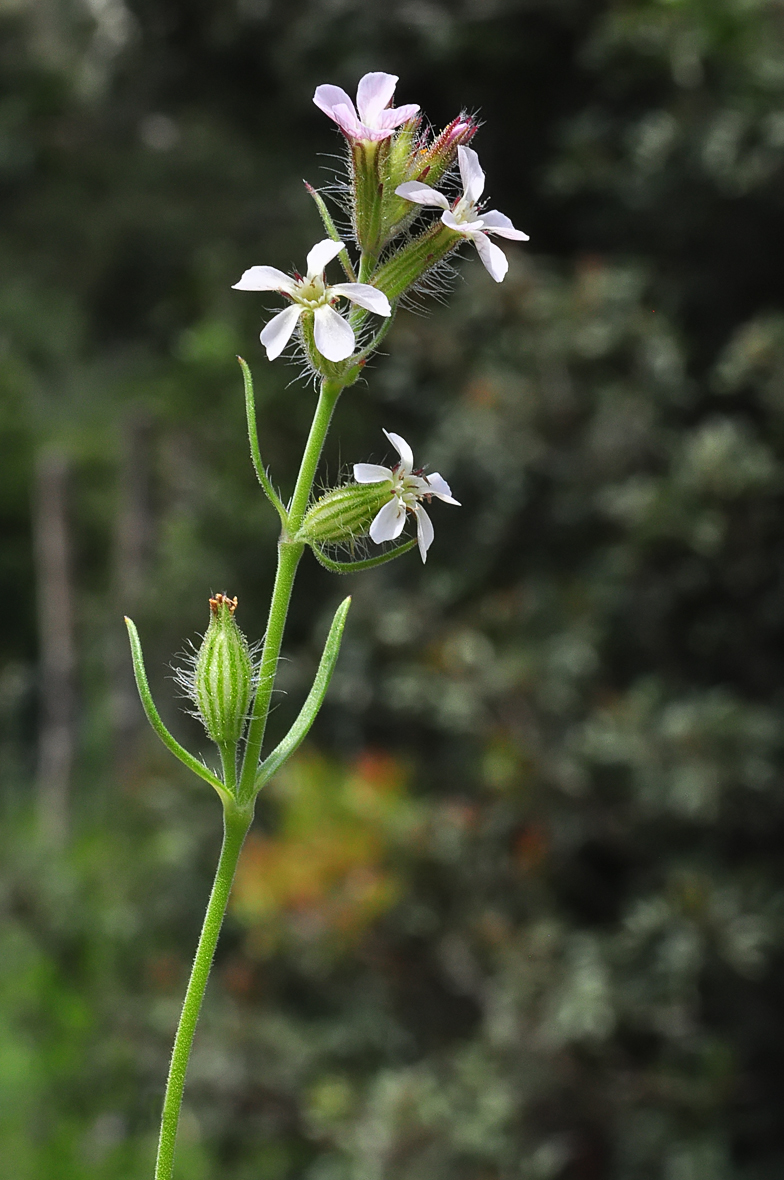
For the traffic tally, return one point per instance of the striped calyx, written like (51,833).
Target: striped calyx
(344,514)
(223,675)
(407,265)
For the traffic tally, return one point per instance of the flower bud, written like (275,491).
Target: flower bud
(404,268)
(378,167)
(332,370)
(223,675)
(344,514)
(434,160)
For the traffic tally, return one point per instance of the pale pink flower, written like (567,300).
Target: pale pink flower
(465,217)
(409,487)
(376,119)
(333,334)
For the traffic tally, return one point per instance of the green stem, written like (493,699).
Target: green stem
(236,822)
(228,755)
(237,816)
(289,554)
(330,392)
(313,702)
(366,263)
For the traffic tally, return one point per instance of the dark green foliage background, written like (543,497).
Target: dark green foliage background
(583,977)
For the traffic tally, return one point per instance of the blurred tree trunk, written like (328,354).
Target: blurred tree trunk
(132,546)
(57,659)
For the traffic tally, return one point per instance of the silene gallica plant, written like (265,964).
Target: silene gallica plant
(400,175)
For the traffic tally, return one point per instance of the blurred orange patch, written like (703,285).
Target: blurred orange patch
(326,874)
(531,847)
(481,392)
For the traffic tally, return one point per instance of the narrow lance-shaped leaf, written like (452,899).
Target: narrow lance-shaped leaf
(253,439)
(313,702)
(154,719)
(331,229)
(367,563)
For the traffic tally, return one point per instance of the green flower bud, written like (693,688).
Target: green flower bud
(413,157)
(344,514)
(223,675)
(434,159)
(378,167)
(332,370)
(404,268)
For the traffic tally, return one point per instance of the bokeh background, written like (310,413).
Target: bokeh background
(517,910)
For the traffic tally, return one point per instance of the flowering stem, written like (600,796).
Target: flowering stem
(313,702)
(330,392)
(289,554)
(236,822)
(238,807)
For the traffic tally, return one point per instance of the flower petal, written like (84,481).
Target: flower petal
(279,331)
(333,335)
(493,257)
(421,194)
(265,278)
(394,116)
(403,449)
(329,98)
(322,253)
(498,223)
(365,295)
(347,121)
(419,486)
(439,487)
(375,91)
(388,523)
(425,531)
(471,173)
(371,473)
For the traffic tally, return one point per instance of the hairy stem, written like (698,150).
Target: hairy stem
(289,554)
(330,392)
(238,814)
(236,822)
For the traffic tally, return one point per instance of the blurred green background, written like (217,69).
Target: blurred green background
(517,912)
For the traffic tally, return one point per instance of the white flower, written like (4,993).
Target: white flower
(465,217)
(334,336)
(376,119)
(408,488)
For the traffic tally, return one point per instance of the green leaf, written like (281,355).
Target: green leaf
(329,226)
(154,719)
(368,563)
(313,702)
(253,439)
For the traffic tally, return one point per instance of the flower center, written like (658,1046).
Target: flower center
(464,211)
(312,292)
(409,489)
